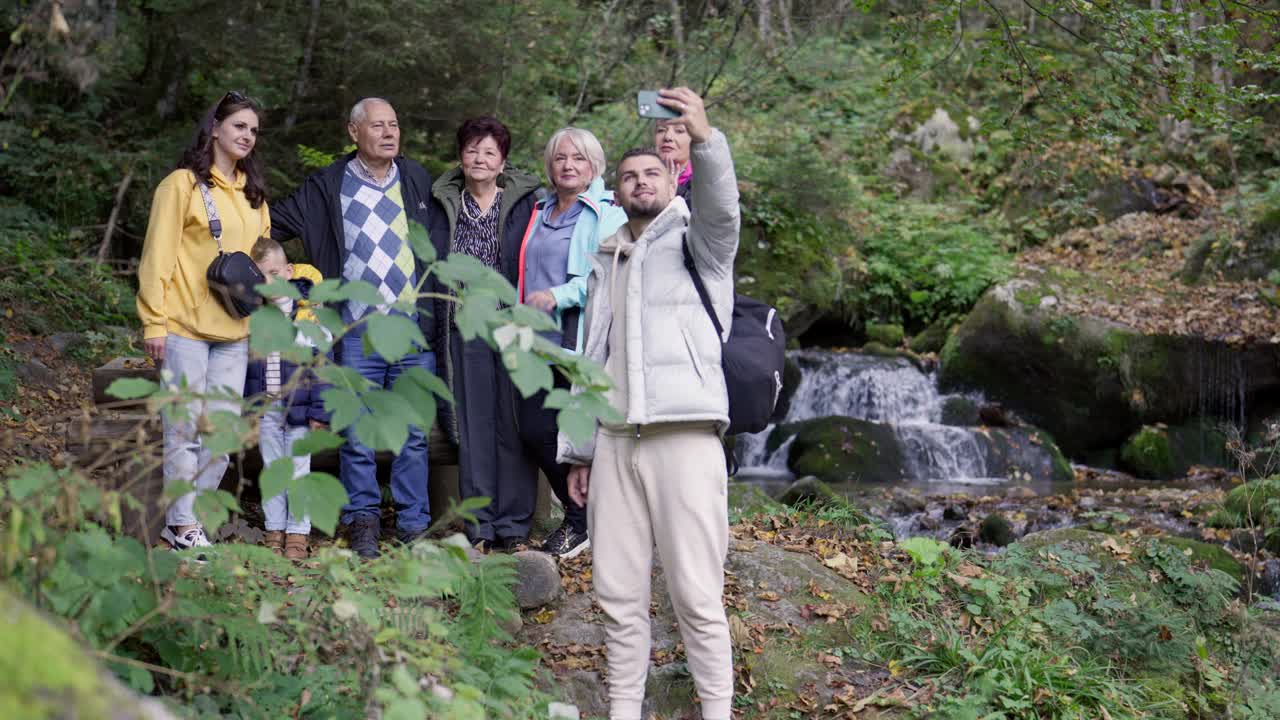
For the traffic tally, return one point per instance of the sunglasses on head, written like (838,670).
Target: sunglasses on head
(235,96)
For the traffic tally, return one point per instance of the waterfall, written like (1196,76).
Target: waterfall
(892,391)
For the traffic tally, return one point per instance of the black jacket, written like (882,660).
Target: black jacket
(520,193)
(314,213)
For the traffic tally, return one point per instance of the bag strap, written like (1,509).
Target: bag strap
(701,288)
(211,210)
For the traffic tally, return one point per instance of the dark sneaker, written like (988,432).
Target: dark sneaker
(193,539)
(565,542)
(364,533)
(482,545)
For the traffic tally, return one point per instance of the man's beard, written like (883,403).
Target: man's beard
(645,210)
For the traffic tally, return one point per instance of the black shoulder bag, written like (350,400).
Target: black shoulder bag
(234,276)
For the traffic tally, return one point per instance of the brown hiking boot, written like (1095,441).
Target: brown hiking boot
(295,546)
(274,539)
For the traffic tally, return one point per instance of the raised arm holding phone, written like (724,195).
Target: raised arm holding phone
(659,478)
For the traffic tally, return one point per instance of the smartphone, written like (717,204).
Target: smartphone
(648,107)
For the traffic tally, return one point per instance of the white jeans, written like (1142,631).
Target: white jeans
(206,366)
(275,440)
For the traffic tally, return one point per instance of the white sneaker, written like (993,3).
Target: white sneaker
(189,540)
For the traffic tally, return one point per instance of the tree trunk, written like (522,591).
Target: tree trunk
(304,68)
(764,22)
(677,35)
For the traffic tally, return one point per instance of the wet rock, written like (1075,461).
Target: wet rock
(955,512)
(962,537)
(888,334)
(844,449)
(959,411)
(1088,502)
(1020,492)
(931,339)
(995,530)
(994,415)
(1269,579)
(538,579)
(906,503)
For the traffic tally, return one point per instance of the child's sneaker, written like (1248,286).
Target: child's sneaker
(192,539)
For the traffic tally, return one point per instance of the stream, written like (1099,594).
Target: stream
(951,485)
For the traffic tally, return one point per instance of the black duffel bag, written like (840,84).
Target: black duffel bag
(752,358)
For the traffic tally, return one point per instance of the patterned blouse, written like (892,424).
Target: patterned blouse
(477,233)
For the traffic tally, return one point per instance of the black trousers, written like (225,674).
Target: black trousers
(491,459)
(538,430)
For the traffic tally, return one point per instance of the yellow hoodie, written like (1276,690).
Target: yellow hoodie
(173,295)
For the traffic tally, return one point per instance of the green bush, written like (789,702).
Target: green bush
(47,281)
(926,262)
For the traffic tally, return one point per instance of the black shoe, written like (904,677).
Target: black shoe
(566,542)
(510,544)
(482,545)
(409,538)
(364,533)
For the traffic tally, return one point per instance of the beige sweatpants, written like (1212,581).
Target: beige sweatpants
(667,487)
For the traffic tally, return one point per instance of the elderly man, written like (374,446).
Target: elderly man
(660,477)
(353,217)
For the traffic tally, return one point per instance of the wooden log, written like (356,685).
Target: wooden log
(121,367)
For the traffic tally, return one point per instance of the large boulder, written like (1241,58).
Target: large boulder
(843,449)
(1089,381)
(49,675)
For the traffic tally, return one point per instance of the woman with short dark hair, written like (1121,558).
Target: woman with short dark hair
(488,205)
(186,331)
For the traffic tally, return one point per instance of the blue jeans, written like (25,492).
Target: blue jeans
(275,440)
(207,366)
(408,471)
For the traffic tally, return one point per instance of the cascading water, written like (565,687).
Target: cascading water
(892,391)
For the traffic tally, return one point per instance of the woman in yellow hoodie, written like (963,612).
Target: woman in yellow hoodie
(185,330)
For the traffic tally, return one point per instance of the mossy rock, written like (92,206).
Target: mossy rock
(890,334)
(1089,381)
(48,675)
(747,500)
(1256,502)
(1147,454)
(960,411)
(1158,452)
(844,449)
(1212,556)
(931,339)
(995,530)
